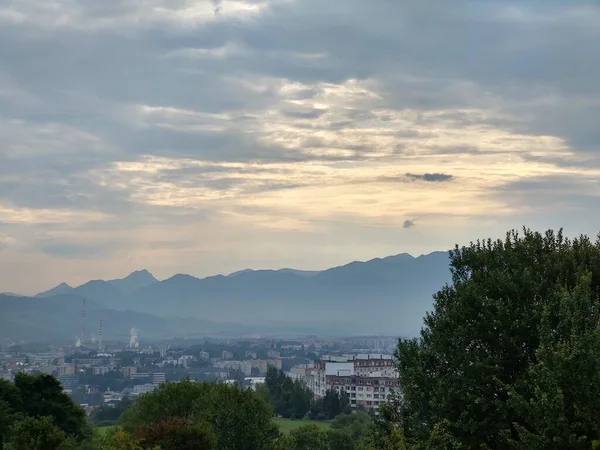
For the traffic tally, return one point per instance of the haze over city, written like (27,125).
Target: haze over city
(209,137)
(294,224)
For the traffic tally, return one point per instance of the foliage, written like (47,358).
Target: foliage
(110,414)
(339,440)
(177,434)
(358,425)
(238,418)
(289,398)
(510,356)
(41,433)
(385,433)
(6,420)
(118,439)
(331,405)
(286,426)
(312,437)
(40,396)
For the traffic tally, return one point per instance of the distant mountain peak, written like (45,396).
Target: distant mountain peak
(239,272)
(402,257)
(134,281)
(62,288)
(141,274)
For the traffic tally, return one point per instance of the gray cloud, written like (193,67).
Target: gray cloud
(408,223)
(312,114)
(410,177)
(4,241)
(295,84)
(430,177)
(69,250)
(217,4)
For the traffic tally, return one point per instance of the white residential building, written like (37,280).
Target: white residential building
(367,379)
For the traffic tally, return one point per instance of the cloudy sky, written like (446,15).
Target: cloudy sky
(209,136)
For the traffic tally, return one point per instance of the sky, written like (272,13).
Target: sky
(205,137)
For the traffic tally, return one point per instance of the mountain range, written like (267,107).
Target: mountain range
(384,295)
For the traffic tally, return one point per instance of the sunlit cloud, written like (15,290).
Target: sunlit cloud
(209,136)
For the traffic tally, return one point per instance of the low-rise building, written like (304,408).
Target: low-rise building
(101,370)
(144,388)
(159,378)
(140,376)
(65,370)
(128,371)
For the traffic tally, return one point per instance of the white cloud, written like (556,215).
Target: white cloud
(287,128)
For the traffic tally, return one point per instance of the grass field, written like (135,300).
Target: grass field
(287,425)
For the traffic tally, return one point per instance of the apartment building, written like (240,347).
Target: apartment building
(368,379)
(246,367)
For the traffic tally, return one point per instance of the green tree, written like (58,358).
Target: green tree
(312,437)
(339,440)
(309,437)
(358,425)
(385,432)
(331,405)
(42,395)
(509,356)
(290,398)
(238,418)
(6,420)
(177,434)
(118,439)
(31,433)
(562,409)
(110,414)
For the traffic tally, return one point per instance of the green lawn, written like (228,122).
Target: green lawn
(287,425)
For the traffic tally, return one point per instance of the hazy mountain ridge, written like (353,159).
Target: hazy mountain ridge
(133,281)
(380,295)
(59,318)
(109,293)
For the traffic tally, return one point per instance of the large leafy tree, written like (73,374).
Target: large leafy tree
(510,355)
(177,434)
(238,419)
(33,433)
(42,396)
(6,420)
